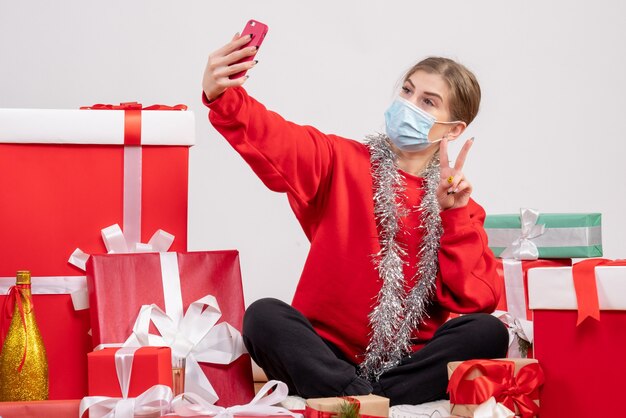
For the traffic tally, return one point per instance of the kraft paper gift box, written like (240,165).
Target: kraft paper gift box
(123,285)
(368,405)
(584,364)
(553,235)
(65,175)
(515,383)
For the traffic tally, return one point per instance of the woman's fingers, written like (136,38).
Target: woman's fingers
(226,71)
(237,42)
(460,159)
(443,154)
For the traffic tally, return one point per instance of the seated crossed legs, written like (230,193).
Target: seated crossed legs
(283,342)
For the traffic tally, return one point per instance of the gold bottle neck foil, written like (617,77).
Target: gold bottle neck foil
(23,277)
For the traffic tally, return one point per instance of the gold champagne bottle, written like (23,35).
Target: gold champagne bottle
(23,362)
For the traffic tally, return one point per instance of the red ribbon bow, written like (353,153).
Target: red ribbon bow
(586,287)
(132,117)
(497,379)
(14,296)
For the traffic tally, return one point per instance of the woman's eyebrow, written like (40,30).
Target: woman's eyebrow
(430,93)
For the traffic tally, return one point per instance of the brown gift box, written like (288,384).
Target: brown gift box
(467,410)
(371,405)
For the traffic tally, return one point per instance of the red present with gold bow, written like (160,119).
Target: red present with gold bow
(367,406)
(514,383)
(64,175)
(579,316)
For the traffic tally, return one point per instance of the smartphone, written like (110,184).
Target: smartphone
(258,31)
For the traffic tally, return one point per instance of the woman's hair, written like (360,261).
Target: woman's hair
(464,88)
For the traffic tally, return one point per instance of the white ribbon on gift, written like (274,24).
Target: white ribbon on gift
(156,399)
(75,286)
(194,335)
(116,242)
(514,287)
(492,409)
(191,404)
(523,248)
(517,327)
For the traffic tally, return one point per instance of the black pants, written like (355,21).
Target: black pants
(285,345)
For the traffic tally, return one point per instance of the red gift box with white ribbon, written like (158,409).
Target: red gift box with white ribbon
(579,316)
(65,175)
(191,302)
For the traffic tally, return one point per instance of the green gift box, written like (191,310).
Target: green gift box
(532,235)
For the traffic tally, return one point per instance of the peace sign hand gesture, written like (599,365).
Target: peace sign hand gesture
(454,190)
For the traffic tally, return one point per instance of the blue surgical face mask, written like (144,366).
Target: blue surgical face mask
(408,126)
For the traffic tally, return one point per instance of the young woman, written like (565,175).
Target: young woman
(396,241)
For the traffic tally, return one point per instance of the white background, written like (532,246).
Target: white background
(550,133)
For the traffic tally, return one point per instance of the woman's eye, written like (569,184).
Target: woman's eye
(406,90)
(429,102)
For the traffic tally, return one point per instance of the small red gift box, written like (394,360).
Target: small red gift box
(120,284)
(150,366)
(513,382)
(583,363)
(63,177)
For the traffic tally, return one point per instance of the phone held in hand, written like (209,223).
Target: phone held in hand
(258,31)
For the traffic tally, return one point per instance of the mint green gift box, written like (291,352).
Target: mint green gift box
(564,235)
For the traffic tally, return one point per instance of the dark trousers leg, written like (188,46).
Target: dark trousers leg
(285,345)
(423,376)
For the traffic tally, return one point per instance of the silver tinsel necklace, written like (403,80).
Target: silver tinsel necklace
(398,314)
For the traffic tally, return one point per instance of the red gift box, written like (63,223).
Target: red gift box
(119,284)
(514,277)
(61,182)
(583,364)
(150,366)
(513,382)
(38,409)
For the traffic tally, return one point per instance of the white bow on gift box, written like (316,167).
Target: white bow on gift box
(194,337)
(157,399)
(492,409)
(116,243)
(523,248)
(190,404)
(519,329)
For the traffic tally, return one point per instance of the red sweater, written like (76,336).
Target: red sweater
(328,183)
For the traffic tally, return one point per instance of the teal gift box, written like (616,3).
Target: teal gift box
(531,235)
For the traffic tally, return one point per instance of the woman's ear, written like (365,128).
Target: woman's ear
(456,130)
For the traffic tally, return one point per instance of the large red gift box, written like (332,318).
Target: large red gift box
(119,284)
(584,364)
(150,366)
(62,179)
(514,277)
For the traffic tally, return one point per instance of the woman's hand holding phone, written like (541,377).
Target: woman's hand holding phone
(228,65)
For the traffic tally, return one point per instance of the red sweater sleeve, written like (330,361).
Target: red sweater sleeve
(287,157)
(467,280)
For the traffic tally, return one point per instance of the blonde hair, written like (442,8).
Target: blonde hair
(464,88)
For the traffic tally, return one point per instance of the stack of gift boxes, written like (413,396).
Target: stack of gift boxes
(132,314)
(555,289)
(106,188)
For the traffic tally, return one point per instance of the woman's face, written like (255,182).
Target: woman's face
(430,93)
